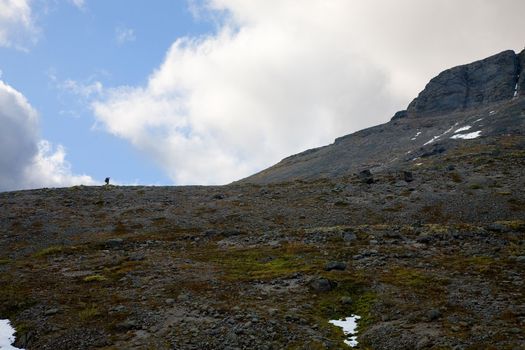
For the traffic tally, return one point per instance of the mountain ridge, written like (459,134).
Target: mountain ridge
(461,95)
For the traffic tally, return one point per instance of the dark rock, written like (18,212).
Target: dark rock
(126,325)
(436,149)
(24,340)
(322,285)
(495,227)
(51,312)
(349,236)
(521,81)
(231,233)
(211,232)
(346,301)
(473,85)
(218,196)
(520,259)
(408,176)
(400,115)
(136,257)
(114,243)
(433,314)
(335,265)
(366,177)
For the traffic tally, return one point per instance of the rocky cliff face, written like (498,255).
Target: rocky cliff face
(483,99)
(477,84)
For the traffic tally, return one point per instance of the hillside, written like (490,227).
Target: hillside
(427,246)
(484,96)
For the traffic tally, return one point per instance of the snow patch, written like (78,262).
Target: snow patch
(492,112)
(7,336)
(468,136)
(516,87)
(478,120)
(416,135)
(437,137)
(349,326)
(465,128)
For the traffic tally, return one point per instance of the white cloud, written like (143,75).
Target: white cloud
(281,76)
(124,35)
(17,27)
(84,90)
(78,3)
(26,161)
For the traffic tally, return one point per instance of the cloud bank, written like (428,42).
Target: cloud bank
(26,161)
(17,27)
(278,77)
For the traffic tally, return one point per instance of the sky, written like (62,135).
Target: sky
(177,92)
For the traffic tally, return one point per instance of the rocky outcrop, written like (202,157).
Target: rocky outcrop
(473,85)
(521,80)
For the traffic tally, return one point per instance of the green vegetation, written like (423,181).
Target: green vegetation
(95,278)
(89,313)
(53,250)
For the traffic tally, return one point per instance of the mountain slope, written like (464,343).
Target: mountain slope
(430,253)
(486,96)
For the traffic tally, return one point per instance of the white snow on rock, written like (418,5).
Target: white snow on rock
(416,135)
(492,112)
(478,120)
(437,137)
(7,336)
(349,326)
(468,136)
(465,128)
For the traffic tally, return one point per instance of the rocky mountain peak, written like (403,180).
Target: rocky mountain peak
(493,79)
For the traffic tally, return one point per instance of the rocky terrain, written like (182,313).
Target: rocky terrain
(418,231)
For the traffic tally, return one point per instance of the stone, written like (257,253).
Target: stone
(335,265)
(114,243)
(366,177)
(349,236)
(126,325)
(321,285)
(408,176)
(51,312)
(136,257)
(433,314)
(346,301)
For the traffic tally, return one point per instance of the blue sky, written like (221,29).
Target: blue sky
(210,91)
(82,44)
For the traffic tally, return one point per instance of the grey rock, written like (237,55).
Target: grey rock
(433,314)
(346,301)
(127,325)
(365,176)
(335,265)
(114,243)
(136,257)
(322,285)
(399,115)
(408,176)
(520,259)
(472,85)
(51,312)
(349,236)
